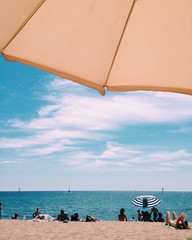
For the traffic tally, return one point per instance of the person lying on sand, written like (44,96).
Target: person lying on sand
(179,222)
(43,218)
(91,219)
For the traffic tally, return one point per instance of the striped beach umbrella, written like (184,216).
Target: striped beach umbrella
(146,201)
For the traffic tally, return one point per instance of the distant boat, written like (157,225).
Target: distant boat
(162,190)
(19,190)
(69,190)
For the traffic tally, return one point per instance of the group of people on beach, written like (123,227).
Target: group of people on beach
(153,216)
(178,222)
(62,217)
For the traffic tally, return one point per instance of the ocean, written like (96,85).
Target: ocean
(104,205)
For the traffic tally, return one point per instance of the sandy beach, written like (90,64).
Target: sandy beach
(23,229)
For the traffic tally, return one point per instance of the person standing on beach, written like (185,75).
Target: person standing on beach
(155,212)
(122,216)
(0,209)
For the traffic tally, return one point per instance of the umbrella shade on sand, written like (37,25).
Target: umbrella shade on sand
(146,201)
(119,45)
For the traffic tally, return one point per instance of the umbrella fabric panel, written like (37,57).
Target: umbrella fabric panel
(156,49)
(14,14)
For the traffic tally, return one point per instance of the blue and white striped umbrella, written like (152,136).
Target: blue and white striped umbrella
(146,201)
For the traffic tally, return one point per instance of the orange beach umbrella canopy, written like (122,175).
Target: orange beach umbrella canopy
(119,45)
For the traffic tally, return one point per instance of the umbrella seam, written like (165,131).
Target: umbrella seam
(24,23)
(121,37)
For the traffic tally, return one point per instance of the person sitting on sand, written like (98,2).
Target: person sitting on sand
(0,209)
(140,215)
(62,216)
(122,217)
(179,222)
(36,213)
(160,218)
(75,217)
(15,216)
(147,217)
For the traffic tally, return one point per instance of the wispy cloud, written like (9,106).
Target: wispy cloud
(10,162)
(97,113)
(171,155)
(125,158)
(70,122)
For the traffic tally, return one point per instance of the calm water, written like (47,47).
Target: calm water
(102,204)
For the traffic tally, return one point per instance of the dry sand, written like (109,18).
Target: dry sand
(113,230)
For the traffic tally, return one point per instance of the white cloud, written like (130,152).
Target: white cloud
(98,113)
(109,112)
(16,143)
(122,157)
(18,161)
(45,150)
(72,121)
(185,162)
(47,110)
(115,150)
(171,155)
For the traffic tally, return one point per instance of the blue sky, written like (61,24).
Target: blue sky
(55,133)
